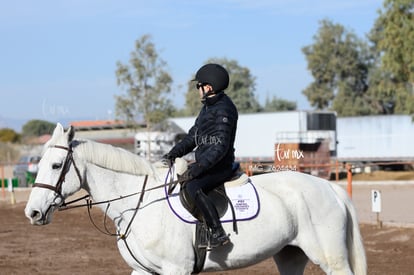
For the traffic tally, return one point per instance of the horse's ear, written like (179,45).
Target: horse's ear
(70,133)
(58,130)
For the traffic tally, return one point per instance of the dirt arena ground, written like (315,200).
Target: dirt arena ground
(71,245)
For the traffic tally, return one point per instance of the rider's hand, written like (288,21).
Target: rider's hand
(193,171)
(186,176)
(168,159)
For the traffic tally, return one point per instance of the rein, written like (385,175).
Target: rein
(67,205)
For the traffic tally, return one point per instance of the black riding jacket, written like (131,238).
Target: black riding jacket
(212,135)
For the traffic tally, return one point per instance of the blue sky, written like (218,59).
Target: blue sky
(57,58)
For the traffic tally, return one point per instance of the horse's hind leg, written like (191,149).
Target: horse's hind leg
(291,260)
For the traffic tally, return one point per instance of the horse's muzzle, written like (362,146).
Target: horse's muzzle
(36,217)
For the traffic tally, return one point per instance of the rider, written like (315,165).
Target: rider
(212,136)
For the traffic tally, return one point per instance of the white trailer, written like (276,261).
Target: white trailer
(258,133)
(383,138)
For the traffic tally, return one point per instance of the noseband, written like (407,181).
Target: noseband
(65,169)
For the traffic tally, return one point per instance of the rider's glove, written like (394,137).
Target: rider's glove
(168,159)
(186,176)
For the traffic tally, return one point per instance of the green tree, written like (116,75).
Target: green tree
(340,63)
(147,85)
(393,40)
(241,88)
(9,135)
(37,128)
(277,104)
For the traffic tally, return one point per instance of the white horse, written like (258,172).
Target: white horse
(301,217)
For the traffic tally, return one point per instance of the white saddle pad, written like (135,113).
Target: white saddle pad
(243,197)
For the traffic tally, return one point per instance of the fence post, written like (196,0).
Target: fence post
(10,188)
(349,178)
(249,168)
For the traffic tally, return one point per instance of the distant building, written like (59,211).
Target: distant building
(294,140)
(258,133)
(114,132)
(154,144)
(300,139)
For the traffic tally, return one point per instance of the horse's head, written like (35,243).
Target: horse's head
(58,177)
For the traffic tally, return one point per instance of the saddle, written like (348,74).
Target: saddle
(218,196)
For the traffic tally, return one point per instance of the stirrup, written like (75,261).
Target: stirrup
(218,239)
(210,246)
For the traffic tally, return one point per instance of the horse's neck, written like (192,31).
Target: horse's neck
(104,184)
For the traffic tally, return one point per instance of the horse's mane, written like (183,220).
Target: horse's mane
(113,158)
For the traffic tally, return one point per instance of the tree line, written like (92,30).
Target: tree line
(353,76)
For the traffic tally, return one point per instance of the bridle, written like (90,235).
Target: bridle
(65,169)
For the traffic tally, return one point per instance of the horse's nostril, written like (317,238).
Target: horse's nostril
(35,214)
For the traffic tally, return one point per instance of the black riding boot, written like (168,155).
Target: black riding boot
(217,235)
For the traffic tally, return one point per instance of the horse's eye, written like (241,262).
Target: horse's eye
(56,165)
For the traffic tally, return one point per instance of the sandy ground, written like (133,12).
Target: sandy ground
(71,245)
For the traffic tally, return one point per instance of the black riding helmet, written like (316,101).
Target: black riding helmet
(213,74)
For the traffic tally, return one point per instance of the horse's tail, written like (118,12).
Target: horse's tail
(356,251)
